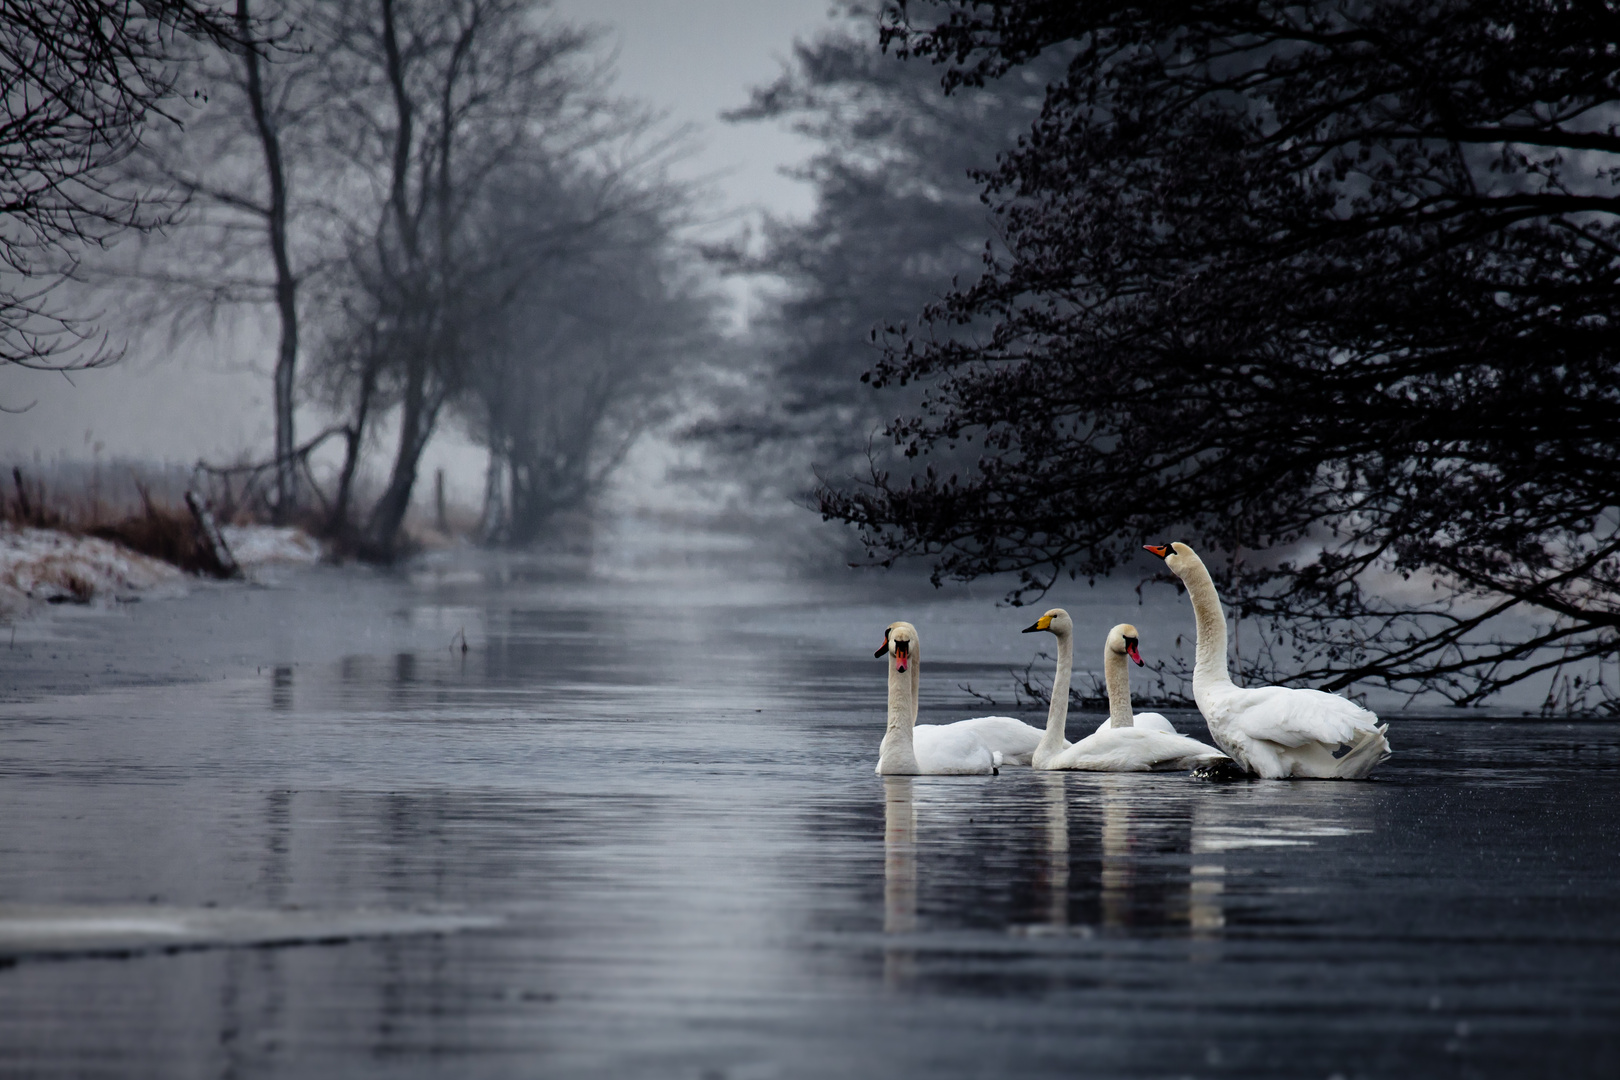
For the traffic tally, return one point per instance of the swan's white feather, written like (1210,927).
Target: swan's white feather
(950,750)
(1151,721)
(1279,731)
(1015,739)
(1291,717)
(1135,749)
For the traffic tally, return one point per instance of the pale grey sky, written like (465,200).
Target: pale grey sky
(211,398)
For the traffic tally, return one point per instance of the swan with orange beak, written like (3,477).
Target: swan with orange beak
(1275,732)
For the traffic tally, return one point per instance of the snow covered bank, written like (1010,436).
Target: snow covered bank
(259,545)
(44,565)
(47,566)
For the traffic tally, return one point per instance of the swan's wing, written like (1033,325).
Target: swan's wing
(950,748)
(1135,749)
(1152,721)
(1015,739)
(1147,721)
(1290,717)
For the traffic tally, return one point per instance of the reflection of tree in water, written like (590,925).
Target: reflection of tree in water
(281,689)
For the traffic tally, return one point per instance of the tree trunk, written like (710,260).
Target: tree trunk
(337,523)
(493,522)
(417,418)
(286,283)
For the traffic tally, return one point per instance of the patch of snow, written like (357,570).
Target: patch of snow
(56,567)
(256,545)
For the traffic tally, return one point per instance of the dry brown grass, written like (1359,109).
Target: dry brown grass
(158,528)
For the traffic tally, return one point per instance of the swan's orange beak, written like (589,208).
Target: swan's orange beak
(902,655)
(883,648)
(1130,651)
(1161,550)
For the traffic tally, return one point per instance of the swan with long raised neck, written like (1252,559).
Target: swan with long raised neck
(1057,623)
(1008,736)
(913,749)
(1275,732)
(1119,745)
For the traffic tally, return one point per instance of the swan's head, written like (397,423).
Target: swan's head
(900,642)
(1056,621)
(1177,556)
(1122,640)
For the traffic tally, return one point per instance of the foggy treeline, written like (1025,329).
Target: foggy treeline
(454,221)
(446,212)
(449,218)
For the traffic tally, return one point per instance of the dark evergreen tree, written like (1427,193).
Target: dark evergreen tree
(897,216)
(1330,283)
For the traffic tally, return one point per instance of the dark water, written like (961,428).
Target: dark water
(659,785)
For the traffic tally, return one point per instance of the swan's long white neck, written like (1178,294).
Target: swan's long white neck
(1209,666)
(1057,713)
(916,674)
(1118,678)
(897,754)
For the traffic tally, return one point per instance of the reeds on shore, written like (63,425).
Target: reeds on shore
(159,526)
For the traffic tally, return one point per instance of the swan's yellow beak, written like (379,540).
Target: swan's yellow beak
(1042,623)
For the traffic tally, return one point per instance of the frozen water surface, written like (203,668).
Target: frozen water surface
(633,831)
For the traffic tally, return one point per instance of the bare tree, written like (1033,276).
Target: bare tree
(443,96)
(83,79)
(255,169)
(266,124)
(604,313)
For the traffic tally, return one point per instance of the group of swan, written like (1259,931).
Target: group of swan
(1273,732)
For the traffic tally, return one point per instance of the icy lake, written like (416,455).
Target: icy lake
(633,831)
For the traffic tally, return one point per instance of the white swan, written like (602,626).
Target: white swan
(1057,623)
(1119,746)
(1013,739)
(909,748)
(1272,731)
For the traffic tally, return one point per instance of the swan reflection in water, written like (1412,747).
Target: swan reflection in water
(1138,839)
(1208,881)
(1136,828)
(899,877)
(1055,875)
(1100,853)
